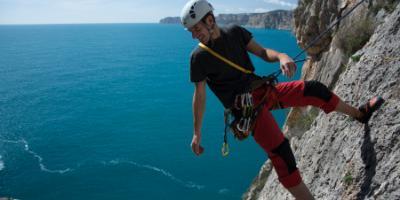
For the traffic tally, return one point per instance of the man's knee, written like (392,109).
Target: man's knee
(317,89)
(285,165)
(286,154)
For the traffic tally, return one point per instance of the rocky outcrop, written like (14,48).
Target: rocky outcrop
(279,19)
(170,20)
(338,157)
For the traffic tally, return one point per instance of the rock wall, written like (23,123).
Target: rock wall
(338,157)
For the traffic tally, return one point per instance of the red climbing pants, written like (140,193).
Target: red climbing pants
(267,132)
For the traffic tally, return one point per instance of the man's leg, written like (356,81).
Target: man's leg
(269,136)
(301,192)
(309,93)
(348,110)
(314,93)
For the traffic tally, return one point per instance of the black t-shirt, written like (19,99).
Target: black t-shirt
(224,80)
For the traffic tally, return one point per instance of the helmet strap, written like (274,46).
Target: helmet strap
(211,31)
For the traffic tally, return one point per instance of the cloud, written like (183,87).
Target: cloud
(281,3)
(236,10)
(261,10)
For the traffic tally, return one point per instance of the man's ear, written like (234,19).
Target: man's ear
(210,21)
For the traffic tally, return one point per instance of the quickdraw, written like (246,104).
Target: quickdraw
(241,118)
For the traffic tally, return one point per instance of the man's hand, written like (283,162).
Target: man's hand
(196,147)
(288,66)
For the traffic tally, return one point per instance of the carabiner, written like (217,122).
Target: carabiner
(225,149)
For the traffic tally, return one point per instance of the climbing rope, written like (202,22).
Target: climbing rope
(316,39)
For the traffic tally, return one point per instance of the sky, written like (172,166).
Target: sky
(119,11)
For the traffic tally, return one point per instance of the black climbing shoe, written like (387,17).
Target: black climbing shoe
(369,108)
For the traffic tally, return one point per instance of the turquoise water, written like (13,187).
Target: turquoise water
(104,112)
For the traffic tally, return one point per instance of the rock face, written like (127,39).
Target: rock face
(279,19)
(338,157)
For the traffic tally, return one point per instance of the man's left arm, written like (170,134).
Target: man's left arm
(287,65)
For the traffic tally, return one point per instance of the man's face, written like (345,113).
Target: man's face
(199,31)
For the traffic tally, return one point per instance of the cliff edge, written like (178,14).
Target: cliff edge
(338,157)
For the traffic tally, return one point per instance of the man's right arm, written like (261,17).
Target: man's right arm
(287,64)
(198,106)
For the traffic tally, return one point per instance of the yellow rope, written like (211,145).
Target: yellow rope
(224,59)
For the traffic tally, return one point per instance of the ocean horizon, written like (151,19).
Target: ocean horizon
(103,110)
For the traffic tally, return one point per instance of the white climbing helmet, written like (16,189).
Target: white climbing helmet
(194,11)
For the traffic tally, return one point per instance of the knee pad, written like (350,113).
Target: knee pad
(285,153)
(317,89)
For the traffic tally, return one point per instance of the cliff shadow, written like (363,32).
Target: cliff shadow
(368,155)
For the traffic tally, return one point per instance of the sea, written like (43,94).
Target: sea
(103,111)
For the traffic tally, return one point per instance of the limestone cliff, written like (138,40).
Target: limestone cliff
(338,157)
(278,19)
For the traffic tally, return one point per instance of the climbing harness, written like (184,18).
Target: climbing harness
(241,117)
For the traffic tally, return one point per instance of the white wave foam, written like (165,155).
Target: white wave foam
(1,163)
(223,191)
(35,155)
(188,184)
(11,141)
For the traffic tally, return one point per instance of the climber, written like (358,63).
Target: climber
(222,62)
